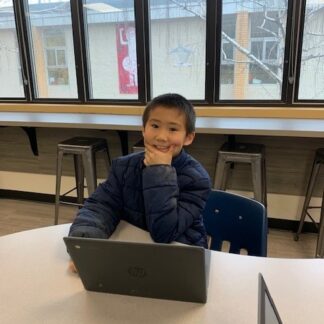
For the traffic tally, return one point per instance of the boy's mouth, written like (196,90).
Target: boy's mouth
(162,148)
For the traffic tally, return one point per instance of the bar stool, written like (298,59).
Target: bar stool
(254,154)
(83,150)
(318,161)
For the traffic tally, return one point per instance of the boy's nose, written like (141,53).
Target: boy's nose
(162,136)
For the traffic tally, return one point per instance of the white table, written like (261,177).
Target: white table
(36,287)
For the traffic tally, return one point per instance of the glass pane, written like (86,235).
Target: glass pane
(50,30)
(51,58)
(178,42)
(257,49)
(312,62)
(111,39)
(256,30)
(10,66)
(271,50)
(58,76)
(60,54)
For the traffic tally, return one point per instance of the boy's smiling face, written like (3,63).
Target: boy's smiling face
(165,132)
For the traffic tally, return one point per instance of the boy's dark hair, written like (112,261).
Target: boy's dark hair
(172,101)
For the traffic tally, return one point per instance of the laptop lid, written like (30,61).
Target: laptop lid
(267,313)
(177,272)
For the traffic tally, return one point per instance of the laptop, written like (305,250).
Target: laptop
(267,313)
(167,271)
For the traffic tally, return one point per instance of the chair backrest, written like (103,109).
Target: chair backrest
(239,220)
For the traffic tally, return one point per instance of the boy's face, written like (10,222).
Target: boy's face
(165,134)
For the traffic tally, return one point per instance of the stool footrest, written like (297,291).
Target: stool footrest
(70,203)
(73,189)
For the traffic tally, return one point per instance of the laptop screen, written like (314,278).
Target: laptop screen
(268,313)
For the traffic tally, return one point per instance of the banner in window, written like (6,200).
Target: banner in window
(127,63)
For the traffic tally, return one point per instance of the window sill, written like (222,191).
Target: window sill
(210,111)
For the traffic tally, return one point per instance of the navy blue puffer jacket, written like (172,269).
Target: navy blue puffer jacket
(165,200)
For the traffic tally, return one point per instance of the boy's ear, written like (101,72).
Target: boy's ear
(189,138)
(143,131)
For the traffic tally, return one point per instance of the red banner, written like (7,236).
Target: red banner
(127,63)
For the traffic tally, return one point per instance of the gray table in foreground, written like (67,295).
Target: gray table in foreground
(36,287)
(208,125)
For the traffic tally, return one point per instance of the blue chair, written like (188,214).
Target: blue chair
(238,220)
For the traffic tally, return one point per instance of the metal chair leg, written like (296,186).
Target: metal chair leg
(309,193)
(320,240)
(219,173)
(79,177)
(89,170)
(58,184)
(257,179)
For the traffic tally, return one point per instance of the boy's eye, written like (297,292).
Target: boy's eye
(173,129)
(155,126)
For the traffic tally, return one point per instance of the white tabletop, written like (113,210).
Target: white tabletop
(36,287)
(208,125)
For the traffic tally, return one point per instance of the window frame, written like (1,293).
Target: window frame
(291,66)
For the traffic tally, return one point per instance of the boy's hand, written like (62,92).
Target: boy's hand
(72,267)
(154,156)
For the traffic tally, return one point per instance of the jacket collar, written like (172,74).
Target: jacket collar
(179,159)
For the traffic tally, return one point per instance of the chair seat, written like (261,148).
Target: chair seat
(242,148)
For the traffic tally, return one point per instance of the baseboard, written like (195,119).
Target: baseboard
(32,196)
(276,223)
(291,225)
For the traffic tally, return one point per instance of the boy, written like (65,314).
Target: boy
(162,190)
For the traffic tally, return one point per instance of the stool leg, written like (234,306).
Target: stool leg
(256,179)
(79,178)
(228,166)
(107,157)
(320,239)
(309,193)
(58,184)
(264,183)
(219,173)
(90,171)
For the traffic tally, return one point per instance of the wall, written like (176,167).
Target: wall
(289,161)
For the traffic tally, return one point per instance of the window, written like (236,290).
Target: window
(265,50)
(253,46)
(57,70)
(250,58)
(52,50)
(10,66)
(178,42)
(312,60)
(111,48)
(227,53)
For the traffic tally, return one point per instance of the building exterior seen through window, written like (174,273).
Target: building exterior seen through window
(10,65)
(312,61)
(52,49)
(252,40)
(111,38)
(55,54)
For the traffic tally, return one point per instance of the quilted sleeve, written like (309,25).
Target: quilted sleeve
(101,212)
(169,211)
